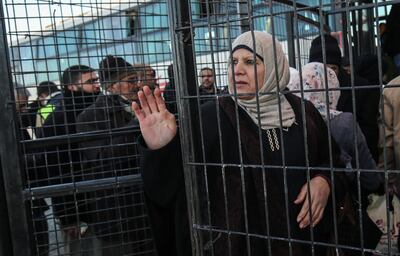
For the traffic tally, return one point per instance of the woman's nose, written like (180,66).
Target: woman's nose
(238,68)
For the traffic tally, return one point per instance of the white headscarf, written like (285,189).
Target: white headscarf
(313,75)
(294,82)
(268,103)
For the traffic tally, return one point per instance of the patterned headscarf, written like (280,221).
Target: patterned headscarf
(268,103)
(313,75)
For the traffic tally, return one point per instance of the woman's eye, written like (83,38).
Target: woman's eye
(250,62)
(234,62)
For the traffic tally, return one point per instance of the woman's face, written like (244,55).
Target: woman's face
(244,75)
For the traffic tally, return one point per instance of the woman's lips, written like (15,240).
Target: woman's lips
(240,82)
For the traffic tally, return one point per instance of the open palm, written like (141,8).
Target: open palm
(157,124)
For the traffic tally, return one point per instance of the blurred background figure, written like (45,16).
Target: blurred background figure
(207,86)
(366,99)
(80,88)
(169,91)
(391,36)
(122,227)
(35,208)
(49,98)
(146,75)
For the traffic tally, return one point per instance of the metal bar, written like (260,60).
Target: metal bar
(5,238)
(360,7)
(82,186)
(10,151)
(290,40)
(182,42)
(79,137)
(278,91)
(298,5)
(308,20)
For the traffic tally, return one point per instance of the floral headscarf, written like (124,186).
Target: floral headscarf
(313,75)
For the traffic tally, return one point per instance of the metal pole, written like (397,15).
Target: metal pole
(344,31)
(10,154)
(243,13)
(290,40)
(185,74)
(5,238)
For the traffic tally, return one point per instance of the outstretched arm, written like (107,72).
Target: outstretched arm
(159,147)
(157,124)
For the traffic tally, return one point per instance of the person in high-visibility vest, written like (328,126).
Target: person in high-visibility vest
(49,97)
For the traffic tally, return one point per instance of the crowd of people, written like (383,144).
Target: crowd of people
(109,221)
(291,157)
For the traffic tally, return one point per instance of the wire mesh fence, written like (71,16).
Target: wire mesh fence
(247,169)
(81,179)
(239,176)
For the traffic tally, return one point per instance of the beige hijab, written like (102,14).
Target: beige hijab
(269,109)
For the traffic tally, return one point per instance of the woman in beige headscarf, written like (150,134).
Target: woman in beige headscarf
(268,198)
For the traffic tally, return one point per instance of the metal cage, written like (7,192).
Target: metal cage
(71,166)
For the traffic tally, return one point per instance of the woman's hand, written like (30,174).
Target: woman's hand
(157,124)
(319,193)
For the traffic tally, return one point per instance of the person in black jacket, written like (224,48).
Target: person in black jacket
(118,216)
(44,90)
(50,97)
(251,193)
(34,208)
(392,36)
(169,91)
(366,99)
(207,84)
(80,89)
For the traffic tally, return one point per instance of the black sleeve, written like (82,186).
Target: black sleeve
(115,153)
(90,148)
(62,167)
(162,171)
(55,125)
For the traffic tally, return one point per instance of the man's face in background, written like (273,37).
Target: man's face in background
(89,83)
(207,78)
(148,77)
(21,103)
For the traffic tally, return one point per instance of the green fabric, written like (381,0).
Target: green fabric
(45,111)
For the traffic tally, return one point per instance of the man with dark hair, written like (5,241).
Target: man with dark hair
(89,81)
(46,88)
(366,99)
(122,227)
(80,89)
